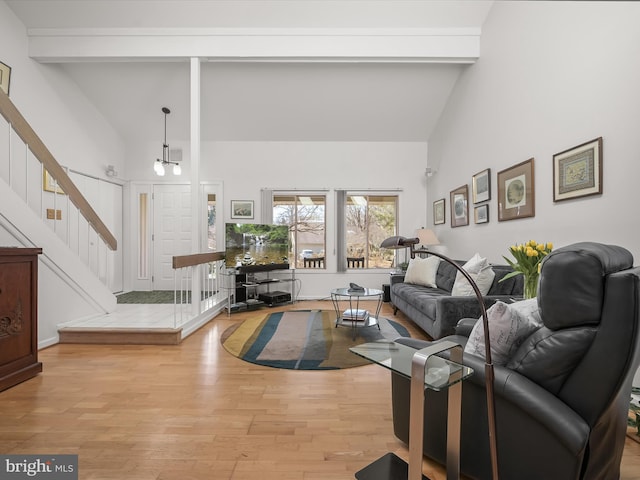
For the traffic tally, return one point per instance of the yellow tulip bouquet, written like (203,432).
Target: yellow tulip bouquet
(528,260)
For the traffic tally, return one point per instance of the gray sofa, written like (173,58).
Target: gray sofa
(435,311)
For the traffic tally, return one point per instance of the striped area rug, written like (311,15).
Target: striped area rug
(303,340)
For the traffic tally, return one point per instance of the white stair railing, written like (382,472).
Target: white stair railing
(199,277)
(23,160)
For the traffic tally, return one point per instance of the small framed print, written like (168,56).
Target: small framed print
(5,77)
(49,184)
(481,186)
(516,192)
(577,172)
(481,214)
(242,209)
(438,212)
(460,206)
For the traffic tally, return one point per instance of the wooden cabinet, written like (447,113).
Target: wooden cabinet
(18,315)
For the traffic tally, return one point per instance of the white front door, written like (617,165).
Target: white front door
(172,218)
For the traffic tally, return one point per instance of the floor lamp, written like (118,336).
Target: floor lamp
(395,243)
(488,364)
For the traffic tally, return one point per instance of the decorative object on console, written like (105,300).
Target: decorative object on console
(439,212)
(481,214)
(5,77)
(460,206)
(528,260)
(481,186)
(577,172)
(516,192)
(159,165)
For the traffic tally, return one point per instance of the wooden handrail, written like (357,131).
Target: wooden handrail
(182,261)
(42,153)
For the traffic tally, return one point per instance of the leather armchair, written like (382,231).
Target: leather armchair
(562,399)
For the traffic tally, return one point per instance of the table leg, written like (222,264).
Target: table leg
(416,413)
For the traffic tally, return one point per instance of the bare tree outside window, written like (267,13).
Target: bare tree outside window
(369,220)
(305,216)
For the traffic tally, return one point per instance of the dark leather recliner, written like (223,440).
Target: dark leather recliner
(562,400)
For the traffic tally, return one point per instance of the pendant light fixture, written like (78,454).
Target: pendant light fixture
(159,165)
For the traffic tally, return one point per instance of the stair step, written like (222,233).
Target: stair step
(121,336)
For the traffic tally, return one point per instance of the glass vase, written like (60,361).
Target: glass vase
(531,285)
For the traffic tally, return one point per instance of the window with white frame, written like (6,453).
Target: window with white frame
(306,216)
(368,220)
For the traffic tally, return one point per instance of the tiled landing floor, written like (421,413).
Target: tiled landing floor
(133,316)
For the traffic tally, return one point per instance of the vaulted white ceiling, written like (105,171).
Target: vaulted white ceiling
(296,93)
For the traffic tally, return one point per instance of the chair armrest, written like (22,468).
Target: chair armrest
(464,326)
(396,278)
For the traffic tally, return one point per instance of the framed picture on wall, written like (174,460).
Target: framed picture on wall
(481,214)
(242,209)
(438,212)
(5,77)
(49,184)
(516,192)
(481,186)
(460,206)
(577,172)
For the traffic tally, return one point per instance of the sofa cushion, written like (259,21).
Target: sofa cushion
(479,270)
(422,271)
(446,275)
(509,326)
(511,286)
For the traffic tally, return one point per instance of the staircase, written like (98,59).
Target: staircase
(78,249)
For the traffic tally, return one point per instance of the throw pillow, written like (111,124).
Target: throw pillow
(480,271)
(509,326)
(422,271)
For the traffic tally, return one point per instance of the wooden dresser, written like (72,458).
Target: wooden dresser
(18,315)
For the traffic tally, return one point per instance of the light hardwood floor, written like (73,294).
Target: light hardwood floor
(195,412)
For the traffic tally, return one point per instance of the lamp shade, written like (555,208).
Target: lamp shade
(427,237)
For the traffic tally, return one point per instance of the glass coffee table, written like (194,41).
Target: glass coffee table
(351,313)
(425,370)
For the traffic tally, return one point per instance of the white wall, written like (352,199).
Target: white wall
(551,75)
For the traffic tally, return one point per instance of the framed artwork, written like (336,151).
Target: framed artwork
(49,184)
(242,209)
(438,212)
(481,186)
(460,206)
(5,77)
(577,172)
(481,214)
(516,192)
